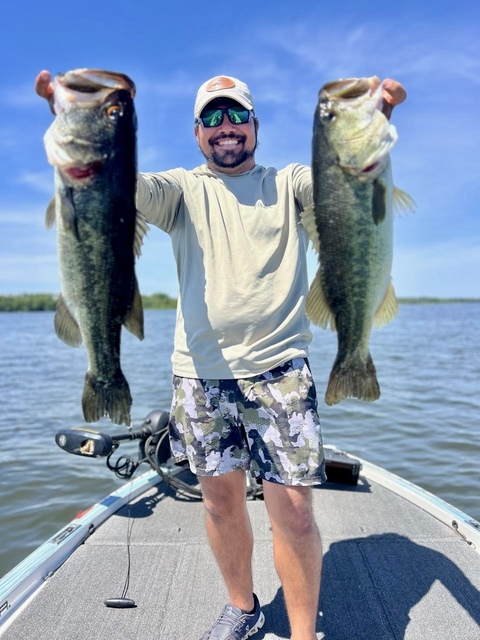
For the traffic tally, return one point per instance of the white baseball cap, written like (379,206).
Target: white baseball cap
(223,87)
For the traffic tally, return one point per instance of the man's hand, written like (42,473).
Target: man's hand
(393,94)
(44,87)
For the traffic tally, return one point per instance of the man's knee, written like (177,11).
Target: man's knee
(224,496)
(290,509)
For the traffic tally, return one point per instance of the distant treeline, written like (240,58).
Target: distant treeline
(48,302)
(425,300)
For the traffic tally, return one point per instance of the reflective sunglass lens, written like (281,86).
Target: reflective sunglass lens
(214,117)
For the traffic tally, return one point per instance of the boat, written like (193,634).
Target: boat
(399,562)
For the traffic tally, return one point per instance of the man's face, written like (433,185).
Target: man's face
(228,148)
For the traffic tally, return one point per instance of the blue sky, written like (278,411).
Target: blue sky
(285,51)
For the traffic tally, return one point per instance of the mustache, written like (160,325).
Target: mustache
(227,136)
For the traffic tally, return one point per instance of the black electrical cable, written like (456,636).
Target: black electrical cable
(175,483)
(123,602)
(124,467)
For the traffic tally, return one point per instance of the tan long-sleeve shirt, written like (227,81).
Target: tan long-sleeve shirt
(241,260)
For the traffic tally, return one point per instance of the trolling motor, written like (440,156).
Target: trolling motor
(154,449)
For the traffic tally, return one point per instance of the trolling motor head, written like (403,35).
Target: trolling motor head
(95,444)
(84,442)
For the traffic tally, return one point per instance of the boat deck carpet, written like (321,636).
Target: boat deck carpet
(391,572)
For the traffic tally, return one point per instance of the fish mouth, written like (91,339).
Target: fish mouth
(87,87)
(351,88)
(93,80)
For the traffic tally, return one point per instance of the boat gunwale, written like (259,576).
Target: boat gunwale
(24,581)
(461,523)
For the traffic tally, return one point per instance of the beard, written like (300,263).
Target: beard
(229,158)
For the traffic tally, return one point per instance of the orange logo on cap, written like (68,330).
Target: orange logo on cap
(220,83)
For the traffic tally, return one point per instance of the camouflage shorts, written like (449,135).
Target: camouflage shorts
(267,424)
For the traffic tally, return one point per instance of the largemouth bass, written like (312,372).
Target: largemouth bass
(92,145)
(351,225)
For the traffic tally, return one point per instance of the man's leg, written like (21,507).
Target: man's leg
(298,554)
(230,533)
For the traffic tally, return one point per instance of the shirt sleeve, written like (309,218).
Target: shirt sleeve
(302,185)
(159,197)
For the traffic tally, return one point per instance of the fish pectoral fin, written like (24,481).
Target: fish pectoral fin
(308,221)
(141,230)
(66,326)
(317,308)
(134,319)
(403,202)
(50,215)
(67,211)
(388,308)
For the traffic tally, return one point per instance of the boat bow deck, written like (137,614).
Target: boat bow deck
(391,571)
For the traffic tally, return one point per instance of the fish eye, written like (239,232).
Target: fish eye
(326,113)
(114,111)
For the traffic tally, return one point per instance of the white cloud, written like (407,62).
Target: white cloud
(41,181)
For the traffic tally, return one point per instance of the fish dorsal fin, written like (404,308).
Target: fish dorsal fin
(307,218)
(66,326)
(134,320)
(317,308)
(141,230)
(50,215)
(402,201)
(388,308)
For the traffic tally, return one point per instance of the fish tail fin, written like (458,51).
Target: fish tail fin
(352,377)
(106,398)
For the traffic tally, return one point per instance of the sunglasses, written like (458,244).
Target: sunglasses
(214,117)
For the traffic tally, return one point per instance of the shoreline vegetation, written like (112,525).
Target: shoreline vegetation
(48,301)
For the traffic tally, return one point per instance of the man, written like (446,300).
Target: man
(244,397)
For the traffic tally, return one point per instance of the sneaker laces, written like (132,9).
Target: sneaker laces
(230,619)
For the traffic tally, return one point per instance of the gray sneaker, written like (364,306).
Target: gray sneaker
(234,624)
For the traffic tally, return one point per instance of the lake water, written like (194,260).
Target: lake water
(425,427)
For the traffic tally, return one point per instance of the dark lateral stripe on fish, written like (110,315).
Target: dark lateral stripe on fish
(379,202)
